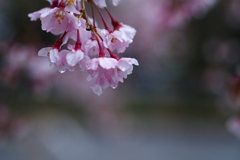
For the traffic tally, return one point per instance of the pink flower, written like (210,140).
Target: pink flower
(233,126)
(74,57)
(91,47)
(84,34)
(105,72)
(118,39)
(71,6)
(65,59)
(125,67)
(127,32)
(57,21)
(102,74)
(56,58)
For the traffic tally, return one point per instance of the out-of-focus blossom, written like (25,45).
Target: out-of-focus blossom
(233,126)
(234,91)
(233,13)
(222,51)
(11,125)
(19,61)
(219,55)
(176,13)
(215,80)
(170,14)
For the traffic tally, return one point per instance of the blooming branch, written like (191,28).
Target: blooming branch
(94,47)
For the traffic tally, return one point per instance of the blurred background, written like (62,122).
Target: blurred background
(182,102)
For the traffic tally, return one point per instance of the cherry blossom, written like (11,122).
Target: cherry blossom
(105,72)
(125,67)
(94,46)
(56,58)
(58,20)
(173,14)
(102,74)
(119,39)
(233,126)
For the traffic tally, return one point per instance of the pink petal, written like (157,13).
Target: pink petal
(123,65)
(74,57)
(44,51)
(107,63)
(36,15)
(97,90)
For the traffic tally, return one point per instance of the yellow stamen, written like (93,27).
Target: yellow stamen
(114,40)
(70,2)
(60,16)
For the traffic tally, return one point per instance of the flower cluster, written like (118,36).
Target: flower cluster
(93,47)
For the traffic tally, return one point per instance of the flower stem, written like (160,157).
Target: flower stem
(115,23)
(103,20)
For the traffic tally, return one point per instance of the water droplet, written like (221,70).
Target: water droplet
(62,70)
(114,87)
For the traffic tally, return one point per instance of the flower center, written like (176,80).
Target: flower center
(114,40)
(70,2)
(59,16)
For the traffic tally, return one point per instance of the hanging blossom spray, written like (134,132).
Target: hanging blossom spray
(94,46)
